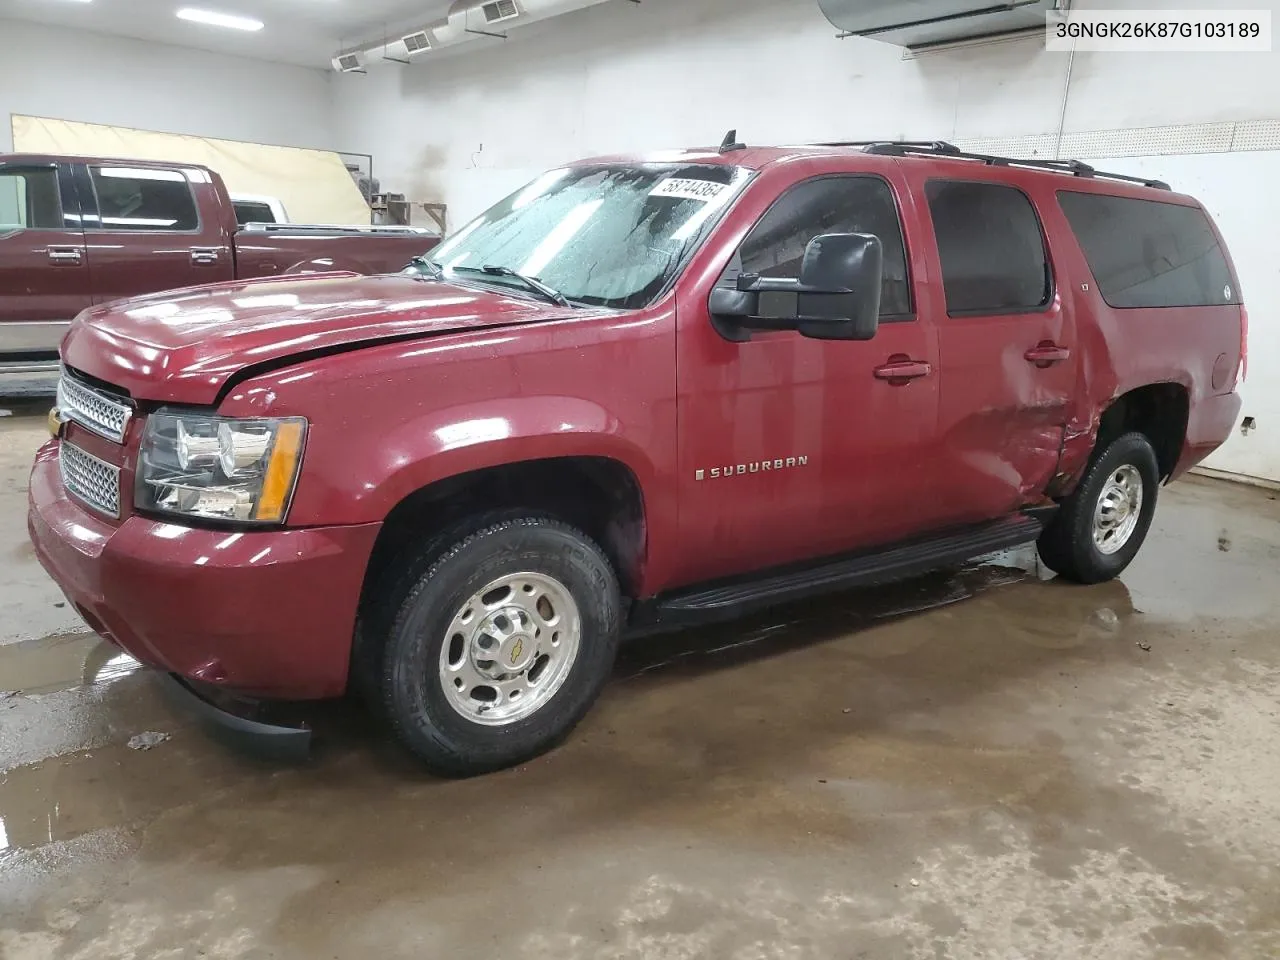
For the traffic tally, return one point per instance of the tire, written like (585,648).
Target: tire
(541,599)
(1068,545)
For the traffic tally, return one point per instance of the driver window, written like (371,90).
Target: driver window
(775,247)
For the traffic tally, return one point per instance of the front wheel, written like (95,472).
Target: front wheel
(1099,528)
(499,649)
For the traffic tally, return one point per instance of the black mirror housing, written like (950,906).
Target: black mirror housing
(837,296)
(844,271)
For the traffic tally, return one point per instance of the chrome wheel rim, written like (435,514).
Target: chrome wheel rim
(509,648)
(1118,510)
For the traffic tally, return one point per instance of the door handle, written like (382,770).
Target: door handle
(204,256)
(68,255)
(1046,353)
(902,369)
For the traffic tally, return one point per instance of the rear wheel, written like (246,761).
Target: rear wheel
(1101,526)
(501,646)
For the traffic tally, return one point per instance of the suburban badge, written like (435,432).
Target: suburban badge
(755,466)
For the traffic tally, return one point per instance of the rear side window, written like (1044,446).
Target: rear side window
(991,248)
(140,199)
(1144,253)
(29,200)
(250,211)
(775,247)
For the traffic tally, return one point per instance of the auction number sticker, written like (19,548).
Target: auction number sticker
(704,190)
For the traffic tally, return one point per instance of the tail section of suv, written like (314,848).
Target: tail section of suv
(639,390)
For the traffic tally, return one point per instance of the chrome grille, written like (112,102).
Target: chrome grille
(105,414)
(91,480)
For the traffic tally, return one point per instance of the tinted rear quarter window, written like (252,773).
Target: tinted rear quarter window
(144,199)
(990,246)
(1145,253)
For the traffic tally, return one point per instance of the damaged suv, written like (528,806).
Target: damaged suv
(640,391)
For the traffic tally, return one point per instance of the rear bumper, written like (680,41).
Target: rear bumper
(1209,424)
(261,613)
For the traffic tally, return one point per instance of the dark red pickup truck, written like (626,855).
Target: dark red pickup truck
(78,231)
(640,391)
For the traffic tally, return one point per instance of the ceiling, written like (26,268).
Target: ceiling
(303,32)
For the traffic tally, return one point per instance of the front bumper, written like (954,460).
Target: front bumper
(260,613)
(266,740)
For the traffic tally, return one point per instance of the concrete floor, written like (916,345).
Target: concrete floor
(983,764)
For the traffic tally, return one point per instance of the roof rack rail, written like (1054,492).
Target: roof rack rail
(924,146)
(902,148)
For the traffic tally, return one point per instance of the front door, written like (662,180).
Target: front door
(791,448)
(44,274)
(1006,342)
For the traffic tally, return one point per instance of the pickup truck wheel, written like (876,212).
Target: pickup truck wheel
(499,649)
(1099,528)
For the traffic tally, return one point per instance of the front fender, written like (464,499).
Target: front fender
(451,441)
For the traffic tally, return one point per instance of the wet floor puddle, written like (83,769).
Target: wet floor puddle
(808,622)
(61,662)
(86,699)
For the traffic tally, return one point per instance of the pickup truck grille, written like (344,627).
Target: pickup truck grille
(104,413)
(89,479)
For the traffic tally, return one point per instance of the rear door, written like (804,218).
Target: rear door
(149,232)
(44,276)
(1006,344)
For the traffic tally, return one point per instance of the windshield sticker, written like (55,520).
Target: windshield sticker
(704,190)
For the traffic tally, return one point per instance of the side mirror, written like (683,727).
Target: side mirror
(837,296)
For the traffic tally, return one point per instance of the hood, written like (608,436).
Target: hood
(184,345)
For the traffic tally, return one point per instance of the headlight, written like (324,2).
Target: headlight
(215,468)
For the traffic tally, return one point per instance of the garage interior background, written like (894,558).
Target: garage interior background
(466,125)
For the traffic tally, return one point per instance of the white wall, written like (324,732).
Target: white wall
(623,76)
(70,75)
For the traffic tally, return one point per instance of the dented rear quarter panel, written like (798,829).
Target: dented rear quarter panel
(1121,350)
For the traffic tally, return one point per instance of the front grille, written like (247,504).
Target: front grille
(104,413)
(91,480)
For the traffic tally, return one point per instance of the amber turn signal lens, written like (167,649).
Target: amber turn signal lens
(286,453)
(55,423)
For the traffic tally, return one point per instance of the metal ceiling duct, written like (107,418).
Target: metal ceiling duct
(926,23)
(467,20)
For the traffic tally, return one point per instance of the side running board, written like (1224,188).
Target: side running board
(865,568)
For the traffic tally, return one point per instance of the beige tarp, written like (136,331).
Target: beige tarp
(313,185)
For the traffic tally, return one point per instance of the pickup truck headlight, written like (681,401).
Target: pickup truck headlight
(216,468)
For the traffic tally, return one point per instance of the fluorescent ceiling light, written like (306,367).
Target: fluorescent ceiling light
(219,19)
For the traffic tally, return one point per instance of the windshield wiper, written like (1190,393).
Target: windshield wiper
(433,268)
(537,286)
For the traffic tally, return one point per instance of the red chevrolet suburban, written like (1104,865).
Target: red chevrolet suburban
(78,231)
(640,391)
